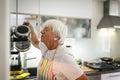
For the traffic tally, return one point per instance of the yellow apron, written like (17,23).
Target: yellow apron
(45,70)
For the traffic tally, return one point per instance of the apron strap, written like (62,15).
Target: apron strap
(54,53)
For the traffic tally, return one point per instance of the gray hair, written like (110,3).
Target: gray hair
(59,29)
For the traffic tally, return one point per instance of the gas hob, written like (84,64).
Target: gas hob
(103,66)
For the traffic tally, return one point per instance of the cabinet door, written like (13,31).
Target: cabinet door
(28,6)
(12,5)
(111,76)
(94,77)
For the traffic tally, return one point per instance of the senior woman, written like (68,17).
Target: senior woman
(56,62)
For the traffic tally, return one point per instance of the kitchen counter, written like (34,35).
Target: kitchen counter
(93,74)
(89,72)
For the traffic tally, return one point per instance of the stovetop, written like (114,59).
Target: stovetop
(103,66)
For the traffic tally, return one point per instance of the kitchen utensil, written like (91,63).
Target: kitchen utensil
(106,59)
(22,34)
(22,31)
(14,56)
(22,46)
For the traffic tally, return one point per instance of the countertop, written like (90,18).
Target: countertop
(90,72)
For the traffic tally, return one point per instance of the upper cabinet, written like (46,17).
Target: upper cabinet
(25,6)
(12,5)
(28,6)
(114,7)
(69,8)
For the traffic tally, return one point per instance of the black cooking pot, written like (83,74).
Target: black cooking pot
(22,34)
(22,31)
(22,46)
(106,59)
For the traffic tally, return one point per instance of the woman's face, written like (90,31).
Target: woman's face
(47,35)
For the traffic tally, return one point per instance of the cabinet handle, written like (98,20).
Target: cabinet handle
(114,75)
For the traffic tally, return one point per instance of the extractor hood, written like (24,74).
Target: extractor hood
(111,18)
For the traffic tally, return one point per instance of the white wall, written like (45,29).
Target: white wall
(4,39)
(115,45)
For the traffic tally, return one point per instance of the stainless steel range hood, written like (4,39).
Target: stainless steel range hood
(111,18)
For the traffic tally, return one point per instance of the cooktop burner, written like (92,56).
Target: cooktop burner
(103,66)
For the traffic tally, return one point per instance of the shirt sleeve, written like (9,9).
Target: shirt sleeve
(69,68)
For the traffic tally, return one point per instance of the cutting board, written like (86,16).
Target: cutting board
(86,69)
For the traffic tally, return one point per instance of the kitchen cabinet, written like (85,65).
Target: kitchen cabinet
(28,6)
(94,77)
(25,6)
(111,76)
(12,5)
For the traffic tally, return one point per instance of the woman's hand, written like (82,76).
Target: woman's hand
(34,39)
(29,25)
